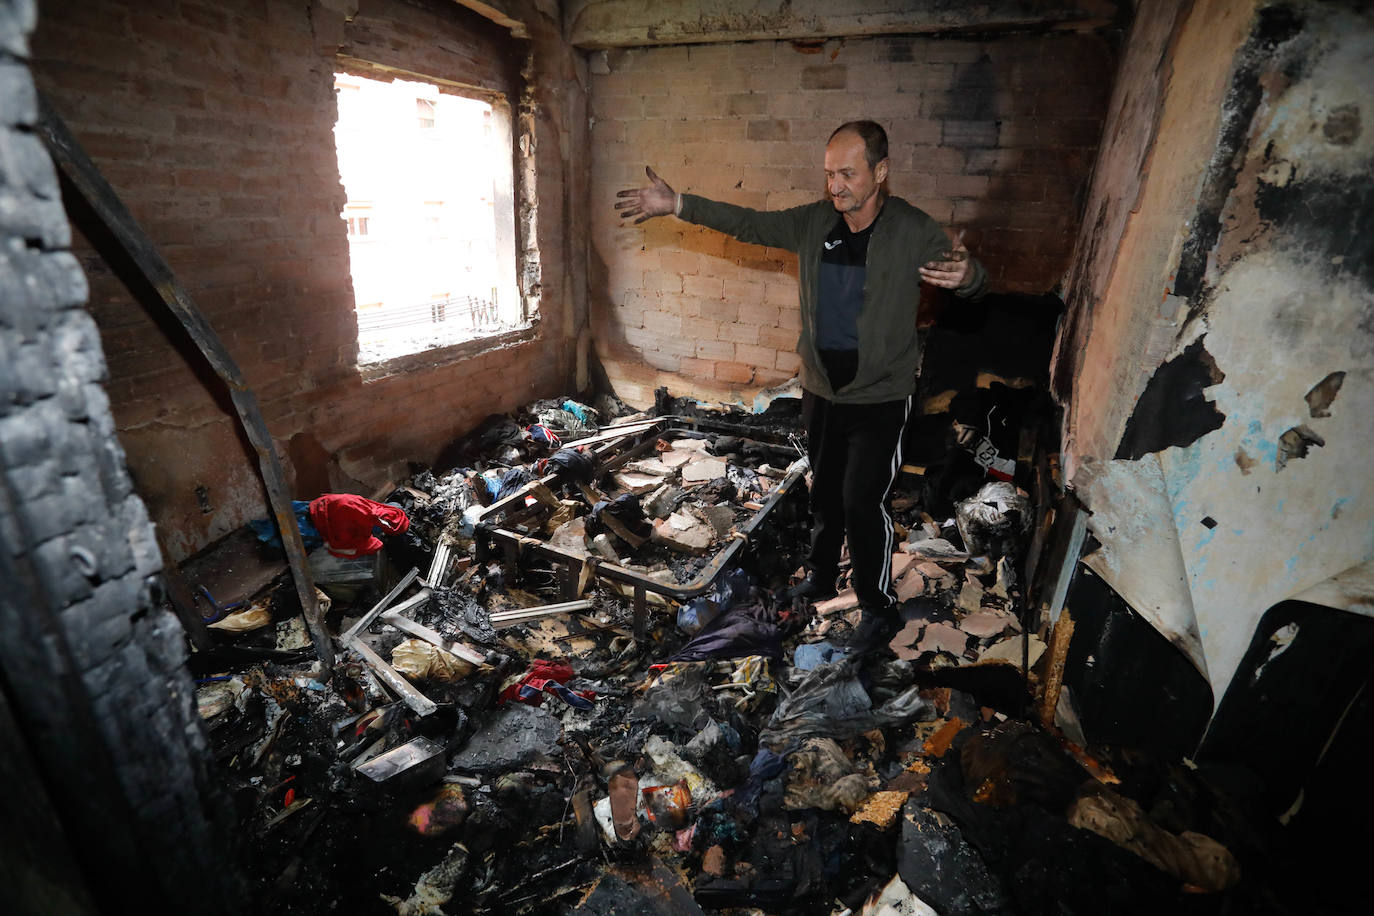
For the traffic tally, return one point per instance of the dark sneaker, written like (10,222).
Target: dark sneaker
(874,632)
(811,589)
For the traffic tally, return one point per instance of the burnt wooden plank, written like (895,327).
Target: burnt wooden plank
(82,176)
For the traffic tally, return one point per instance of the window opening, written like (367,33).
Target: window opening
(429,214)
(425,109)
(357,215)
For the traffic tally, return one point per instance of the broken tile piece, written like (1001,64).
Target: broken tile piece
(721,518)
(901,562)
(1008,652)
(571,537)
(941,637)
(1006,580)
(910,585)
(663,500)
(702,470)
(632,482)
(985,623)
(936,575)
(655,467)
(971,597)
(683,533)
(841,602)
(676,458)
(904,643)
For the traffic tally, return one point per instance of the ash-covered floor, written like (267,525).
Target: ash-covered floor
(581,743)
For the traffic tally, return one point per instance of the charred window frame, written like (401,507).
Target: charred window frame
(510,124)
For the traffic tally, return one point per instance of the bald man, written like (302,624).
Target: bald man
(862,256)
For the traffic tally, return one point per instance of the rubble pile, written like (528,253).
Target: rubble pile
(576,685)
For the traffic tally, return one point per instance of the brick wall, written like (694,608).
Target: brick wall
(214,122)
(121,806)
(995,137)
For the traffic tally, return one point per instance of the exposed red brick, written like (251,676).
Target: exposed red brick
(735,372)
(214,124)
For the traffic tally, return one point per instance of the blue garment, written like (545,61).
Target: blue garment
(266,528)
(809,656)
(745,629)
(512,480)
(843,270)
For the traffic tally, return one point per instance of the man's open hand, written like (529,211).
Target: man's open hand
(655,200)
(951,270)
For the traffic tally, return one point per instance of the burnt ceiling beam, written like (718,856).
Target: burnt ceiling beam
(598,24)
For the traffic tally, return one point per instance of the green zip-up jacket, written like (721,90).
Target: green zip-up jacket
(904,237)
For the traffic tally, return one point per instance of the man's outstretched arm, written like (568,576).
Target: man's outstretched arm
(655,199)
(776,228)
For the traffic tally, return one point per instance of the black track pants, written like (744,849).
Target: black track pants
(855,452)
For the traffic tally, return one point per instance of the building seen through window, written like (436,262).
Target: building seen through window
(429,215)
(425,109)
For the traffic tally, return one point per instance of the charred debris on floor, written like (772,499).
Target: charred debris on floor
(574,684)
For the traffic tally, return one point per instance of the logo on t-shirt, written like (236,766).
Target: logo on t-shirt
(833,244)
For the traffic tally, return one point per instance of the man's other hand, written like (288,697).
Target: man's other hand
(951,270)
(655,200)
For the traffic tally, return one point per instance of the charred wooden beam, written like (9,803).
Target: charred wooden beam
(413,698)
(85,179)
(462,650)
(525,615)
(366,620)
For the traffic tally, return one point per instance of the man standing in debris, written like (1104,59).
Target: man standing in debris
(860,274)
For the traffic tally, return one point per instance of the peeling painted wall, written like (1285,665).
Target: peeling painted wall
(1218,373)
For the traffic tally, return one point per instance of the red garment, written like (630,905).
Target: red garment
(545,676)
(345,522)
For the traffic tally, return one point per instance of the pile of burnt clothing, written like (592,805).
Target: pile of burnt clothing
(654,498)
(959,599)
(535,430)
(771,407)
(509,731)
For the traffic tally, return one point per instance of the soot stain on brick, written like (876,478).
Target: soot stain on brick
(974,90)
(899,50)
(1273,27)
(1174,410)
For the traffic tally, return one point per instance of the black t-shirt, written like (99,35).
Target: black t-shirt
(844,259)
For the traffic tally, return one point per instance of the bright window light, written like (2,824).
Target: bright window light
(430,217)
